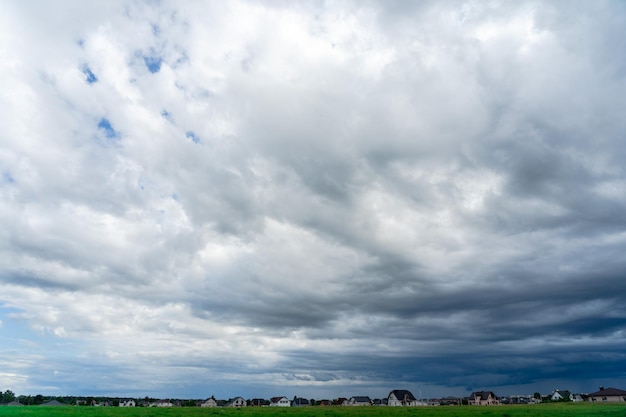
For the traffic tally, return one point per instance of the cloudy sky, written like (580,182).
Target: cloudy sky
(312,198)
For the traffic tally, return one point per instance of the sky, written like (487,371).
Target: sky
(315,198)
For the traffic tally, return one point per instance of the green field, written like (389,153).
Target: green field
(547,410)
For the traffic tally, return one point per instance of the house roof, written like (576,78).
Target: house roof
(482,394)
(301,401)
(608,392)
(402,394)
(362,399)
(277,399)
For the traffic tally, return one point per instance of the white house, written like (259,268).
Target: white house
(360,401)
(280,402)
(558,395)
(127,403)
(162,403)
(401,397)
(211,402)
(483,398)
(236,402)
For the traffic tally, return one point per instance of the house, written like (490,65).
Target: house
(577,398)
(360,401)
(324,403)
(236,402)
(380,402)
(483,398)
(558,395)
(341,401)
(300,402)
(608,395)
(211,402)
(162,404)
(127,403)
(401,397)
(450,401)
(280,402)
(257,402)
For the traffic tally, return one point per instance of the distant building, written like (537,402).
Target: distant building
(401,397)
(360,401)
(300,402)
(236,402)
(162,404)
(608,395)
(483,398)
(211,402)
(280,402)
(127,403)
(558,395)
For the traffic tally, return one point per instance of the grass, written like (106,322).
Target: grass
(544,410)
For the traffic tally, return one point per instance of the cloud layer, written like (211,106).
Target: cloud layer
(324,198)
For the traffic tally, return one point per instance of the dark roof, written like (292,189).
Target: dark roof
(402,394)
(277,399)
(301,401)
(481,394)
(563,394)
(362,399)
(608,392)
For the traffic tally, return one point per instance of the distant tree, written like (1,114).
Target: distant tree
(537,396)
(38,399)
(7,396)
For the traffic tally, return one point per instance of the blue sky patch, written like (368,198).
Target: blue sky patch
(108,130)
(191,135)
(153,63)
(90,77)
(167,116)
(6,177)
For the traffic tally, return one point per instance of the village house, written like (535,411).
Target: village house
(280,402)
(211,402)
(558,395)
(401,397)
(483,398)
(300,402)
(162,404)
(608,395)
(127,403)
(359,401)
(236,402)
